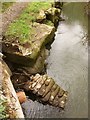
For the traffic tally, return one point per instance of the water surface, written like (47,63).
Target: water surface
(68,60)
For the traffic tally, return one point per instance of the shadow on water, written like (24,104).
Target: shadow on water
(68,65)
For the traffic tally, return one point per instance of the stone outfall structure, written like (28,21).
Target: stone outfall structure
(44,87)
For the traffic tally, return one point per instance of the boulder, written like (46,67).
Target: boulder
(53,14)
(58,4)
(41,17)
(27,52)
(39,65)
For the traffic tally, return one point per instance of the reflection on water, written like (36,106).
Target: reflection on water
(76,13)
(68,60)
(68,64)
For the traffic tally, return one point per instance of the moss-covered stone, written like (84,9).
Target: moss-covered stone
(50,16)
(26,52)
(41,17)
(39,65)
(53,14)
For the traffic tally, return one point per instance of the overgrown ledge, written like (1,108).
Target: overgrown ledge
(26,37)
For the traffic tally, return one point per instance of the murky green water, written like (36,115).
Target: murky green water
(68,65)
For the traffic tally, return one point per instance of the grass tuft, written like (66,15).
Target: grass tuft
(22,27)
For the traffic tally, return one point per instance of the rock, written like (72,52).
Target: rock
(41,17)
(53,14)
(39,65)
(58,4)
(27,53)
(4,67)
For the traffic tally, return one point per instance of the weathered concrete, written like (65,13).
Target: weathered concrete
(13,106)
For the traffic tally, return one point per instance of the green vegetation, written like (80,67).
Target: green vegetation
(6,5)
(22,27)
(2,107)
(48,22)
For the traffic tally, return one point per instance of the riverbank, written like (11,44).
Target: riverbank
(24,42)
(68,65)
(24,48)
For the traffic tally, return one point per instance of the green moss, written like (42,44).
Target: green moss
(22,27)
(6,5)
(48,22)
(3,113)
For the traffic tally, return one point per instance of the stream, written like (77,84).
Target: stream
(68,65)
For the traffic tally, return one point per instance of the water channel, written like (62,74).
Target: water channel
(68,65)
